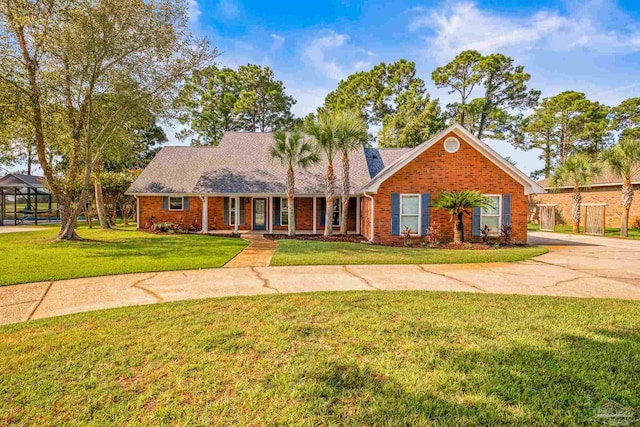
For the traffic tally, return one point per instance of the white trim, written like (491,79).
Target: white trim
(530,186)
(499,196)
(205,213)
(169,203)
(594,204)
(315,228)
(451,139)
(339,203)
(570,187)
(237,214)
(400,214)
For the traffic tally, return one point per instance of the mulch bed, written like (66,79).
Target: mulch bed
(353,238)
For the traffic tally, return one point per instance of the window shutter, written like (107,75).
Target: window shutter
(165,203)
(276,210)
(323,211)
(243,212)
(395,214)
(506,209)
(475,222)
(426,213)
(185,203)
(225,214)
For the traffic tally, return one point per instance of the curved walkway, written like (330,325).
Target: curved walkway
(576,266)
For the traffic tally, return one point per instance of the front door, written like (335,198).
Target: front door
(259,214)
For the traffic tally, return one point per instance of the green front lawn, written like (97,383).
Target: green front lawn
(353,359)
(34,256)
(634,233)
(305,252)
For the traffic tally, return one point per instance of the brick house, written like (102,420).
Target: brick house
(606,188)
(236,186)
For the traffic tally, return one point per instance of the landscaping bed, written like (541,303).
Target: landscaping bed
(346,358)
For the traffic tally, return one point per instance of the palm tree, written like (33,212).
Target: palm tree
(624,161)
(322,129)
(293,151)
(578,170)
(459,204)
(351,133)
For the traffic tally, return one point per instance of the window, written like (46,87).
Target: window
(284,211)
(491,217)
(176,203)
(232,211)
(410,212)
(336,217)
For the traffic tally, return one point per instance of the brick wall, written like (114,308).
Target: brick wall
(434,171)
(610,195)
(152,206)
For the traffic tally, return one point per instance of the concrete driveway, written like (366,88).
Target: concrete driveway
(576,266)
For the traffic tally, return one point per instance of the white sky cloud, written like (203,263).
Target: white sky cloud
(193,10)
(228,9)
(278,42)
(460,26)
(325,52)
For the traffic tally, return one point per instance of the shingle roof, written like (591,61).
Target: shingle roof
(379,158)
(240,164)
(607,177)
(19,181)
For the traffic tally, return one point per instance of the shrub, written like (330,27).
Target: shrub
(406,234)
(485,231)
(433,234)
(506,233)
(163,227)
(150,221)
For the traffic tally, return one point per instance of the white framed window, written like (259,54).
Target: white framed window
(232,211)
(336,216)
(410,212)
(176,203)
(284,211)
(492,217)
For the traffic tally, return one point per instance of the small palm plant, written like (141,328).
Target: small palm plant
(624,161)
(578,170)
(292,150)
(459,204)
(322,129)
(351,133)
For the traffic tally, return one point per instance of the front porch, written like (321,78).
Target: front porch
(271,214)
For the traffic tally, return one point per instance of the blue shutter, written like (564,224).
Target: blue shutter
(506,209)
(165,203)
(276,210)
(185,203)
(225,214)
(426,211)
(475,223)
(243,212)
(395,214)
(323,211)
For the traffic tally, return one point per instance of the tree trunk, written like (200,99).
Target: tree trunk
(575,210)
(291,185)
(330,185)
(458,229)
(345,194)
(68,220)
(102,213)
(627,200)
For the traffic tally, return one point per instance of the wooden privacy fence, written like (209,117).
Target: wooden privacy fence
(594,218)
(547,217)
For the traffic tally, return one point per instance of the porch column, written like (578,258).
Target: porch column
(270,216)
(314,214)
(237,213)
(205,214)
(358,215)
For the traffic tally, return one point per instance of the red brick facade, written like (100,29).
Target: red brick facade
(436,170)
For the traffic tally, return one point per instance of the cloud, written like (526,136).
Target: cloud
(277,43)
(193,10)
(326,50)
(462,25)
(228,9)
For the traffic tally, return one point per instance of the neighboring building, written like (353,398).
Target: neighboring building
(607,188)
(236,186)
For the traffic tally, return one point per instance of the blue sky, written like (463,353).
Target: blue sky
(589,46)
